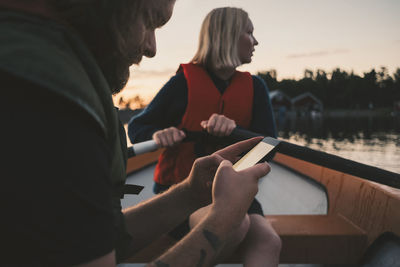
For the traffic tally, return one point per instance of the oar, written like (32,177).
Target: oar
(304,153)
(329,161)
(151,145)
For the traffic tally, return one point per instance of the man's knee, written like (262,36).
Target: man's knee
(265,233)
(274,241)
(241,232)
(245,225)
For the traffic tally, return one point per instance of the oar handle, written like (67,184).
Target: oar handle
(239,134)
(149,146)
(141,148)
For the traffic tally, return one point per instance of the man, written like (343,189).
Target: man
(61,60)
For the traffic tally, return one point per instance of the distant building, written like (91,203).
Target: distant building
(307,102)
(280,100)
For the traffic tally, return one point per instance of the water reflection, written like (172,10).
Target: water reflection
(372,140)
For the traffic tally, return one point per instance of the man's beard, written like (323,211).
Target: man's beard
(116,70)
(116,73)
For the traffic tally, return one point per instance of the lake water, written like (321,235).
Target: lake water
(370,140)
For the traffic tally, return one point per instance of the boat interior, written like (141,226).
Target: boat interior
(324,216)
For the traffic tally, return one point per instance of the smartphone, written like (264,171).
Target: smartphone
(263,151)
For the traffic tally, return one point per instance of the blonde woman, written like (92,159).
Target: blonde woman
(210,94)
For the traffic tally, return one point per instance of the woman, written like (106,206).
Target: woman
(210,94)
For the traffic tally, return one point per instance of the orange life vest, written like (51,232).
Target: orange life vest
(204,99)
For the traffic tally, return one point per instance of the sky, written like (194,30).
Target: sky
(293,35)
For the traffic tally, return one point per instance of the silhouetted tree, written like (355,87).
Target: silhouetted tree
(396,84)
(321,80)
(270,77)
(340,89)
(308,74)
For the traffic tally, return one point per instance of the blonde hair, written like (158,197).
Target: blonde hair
(219,36)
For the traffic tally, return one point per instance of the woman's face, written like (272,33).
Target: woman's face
(247,42)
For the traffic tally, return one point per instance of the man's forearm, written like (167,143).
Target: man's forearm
(159,215)
(200,247)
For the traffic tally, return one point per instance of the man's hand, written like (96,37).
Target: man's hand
(201,178)
(218,125)
(234,152)
(168,137)
(204,169)
(234,191)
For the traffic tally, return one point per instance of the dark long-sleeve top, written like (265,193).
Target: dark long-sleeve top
(169,105)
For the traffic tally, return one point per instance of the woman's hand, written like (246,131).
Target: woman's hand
(168,137)
(218,125)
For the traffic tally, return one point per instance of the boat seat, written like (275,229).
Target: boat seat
(327,239)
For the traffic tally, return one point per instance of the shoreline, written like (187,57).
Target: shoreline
(340,113)
(357,112)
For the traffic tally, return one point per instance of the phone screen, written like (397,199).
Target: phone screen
(257,153)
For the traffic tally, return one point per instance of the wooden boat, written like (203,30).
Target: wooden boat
(326,209)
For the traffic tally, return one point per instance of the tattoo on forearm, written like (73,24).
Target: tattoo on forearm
(203,255)
(212,239)
(161,264)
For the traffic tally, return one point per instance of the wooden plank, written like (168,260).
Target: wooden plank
(326,239)
(369,205)
(138,162)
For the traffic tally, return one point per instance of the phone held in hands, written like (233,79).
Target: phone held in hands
(263,151)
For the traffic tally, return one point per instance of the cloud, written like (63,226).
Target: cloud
(318,53)
(340,51)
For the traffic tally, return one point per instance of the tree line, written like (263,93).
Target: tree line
(340,89)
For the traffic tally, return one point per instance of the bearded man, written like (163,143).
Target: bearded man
(65,150)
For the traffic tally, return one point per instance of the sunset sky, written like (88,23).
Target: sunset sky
(355,35)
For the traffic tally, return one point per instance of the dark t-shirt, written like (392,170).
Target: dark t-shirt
(55,187)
